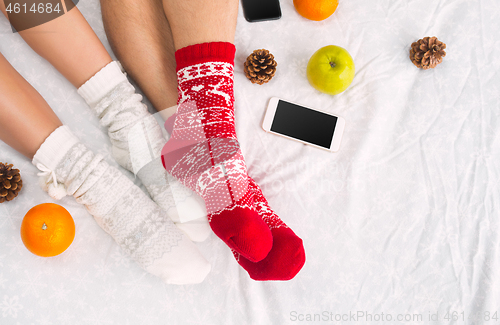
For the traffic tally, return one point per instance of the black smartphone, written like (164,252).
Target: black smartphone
(260,10)
(304,124)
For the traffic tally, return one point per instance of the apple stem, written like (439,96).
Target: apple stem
(44,226)
(332,64)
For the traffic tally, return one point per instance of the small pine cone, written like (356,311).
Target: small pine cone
(10,182)
(427,53)
(260,66)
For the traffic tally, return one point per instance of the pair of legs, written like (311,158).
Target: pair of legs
(30,126)
(247,225)
(138,33)
(142,38)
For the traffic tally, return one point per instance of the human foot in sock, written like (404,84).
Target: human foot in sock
(287,256)
(203,151)
(137,141)
(135,222)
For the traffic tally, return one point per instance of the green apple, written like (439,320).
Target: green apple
(330,69)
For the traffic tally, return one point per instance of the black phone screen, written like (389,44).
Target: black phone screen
(258,10)
(304,124)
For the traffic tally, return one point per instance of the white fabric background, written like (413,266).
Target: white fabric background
(404,219)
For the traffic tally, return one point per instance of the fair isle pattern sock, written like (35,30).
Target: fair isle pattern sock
(287,256)
(120,208)
(203,150)
(137,141)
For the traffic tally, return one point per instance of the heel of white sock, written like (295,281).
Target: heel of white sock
(181,266)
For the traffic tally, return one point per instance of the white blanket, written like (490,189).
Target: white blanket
(400,226)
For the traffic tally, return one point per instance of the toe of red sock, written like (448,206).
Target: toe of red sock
(244,231)
(283,262)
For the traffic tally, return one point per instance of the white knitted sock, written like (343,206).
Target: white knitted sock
(136,223)
(137,141)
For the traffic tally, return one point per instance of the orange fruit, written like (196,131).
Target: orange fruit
(47,229)
(316,9)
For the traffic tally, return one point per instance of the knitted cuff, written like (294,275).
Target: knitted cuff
(205,52)
(55,147)
(102,83)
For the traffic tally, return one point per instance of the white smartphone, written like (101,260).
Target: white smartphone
(304,124)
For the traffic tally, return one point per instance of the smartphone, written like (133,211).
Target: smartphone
(304,124)
(260,10)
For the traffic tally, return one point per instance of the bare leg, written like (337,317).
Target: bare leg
(27,120)
(200,21)
(140,36)
(69,44)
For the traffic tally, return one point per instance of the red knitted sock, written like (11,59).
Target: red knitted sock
(287,256)
(203,152)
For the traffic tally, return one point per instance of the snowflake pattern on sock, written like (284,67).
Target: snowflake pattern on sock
(140,229)
(205,123)
(203,153)
(137,140)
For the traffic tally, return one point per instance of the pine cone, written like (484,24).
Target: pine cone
(10,182)
(427,53)
(260,66)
